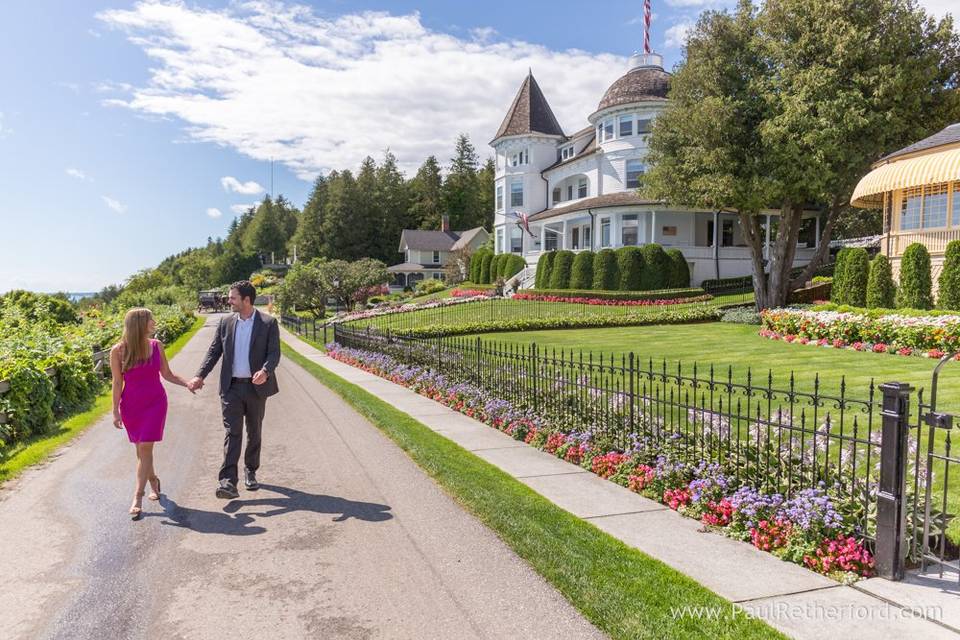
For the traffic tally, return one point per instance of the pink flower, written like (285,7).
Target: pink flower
(676,498)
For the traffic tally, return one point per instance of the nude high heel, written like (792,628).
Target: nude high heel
(136,510)
(155,488)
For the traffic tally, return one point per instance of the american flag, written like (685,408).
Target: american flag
(646,27)
(523,221)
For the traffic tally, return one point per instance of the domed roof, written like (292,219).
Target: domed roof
(641,83)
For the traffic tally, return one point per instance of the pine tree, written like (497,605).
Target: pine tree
(485,203)
(460,189)
(881,292)
(365,212)
(341,234)
(393,202)
(264,234)
(308,238)
(426,191)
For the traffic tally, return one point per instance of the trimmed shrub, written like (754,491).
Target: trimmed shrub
(856,272)
(513,265)
(655,268)
(839,272)
(679,274)
(560,274)
(948,293)
(581,274)
(630,265)
(485,268)
(664,294)
(915,281)
(476,260)
(881,292)
(544,268)
(606,274)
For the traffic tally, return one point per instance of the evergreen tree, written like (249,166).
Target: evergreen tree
(948,293)
(485,196)
(915,281)
(341,233)
(309,235)
(461,188)
(881,292)
(426,193)
(856,276)
(265,234)
(393,202)
(366,214)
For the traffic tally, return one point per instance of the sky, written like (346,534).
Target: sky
(130,131)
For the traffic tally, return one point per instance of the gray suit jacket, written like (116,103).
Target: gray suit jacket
(264,352)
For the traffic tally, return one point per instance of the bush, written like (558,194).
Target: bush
(856,273)
(725,284)
(544,266)
(664,294)
(881,292)
(839,275)
(741,315)
(630,265)
(948,294)
(915,280)
(474,270)
(679,273)
(562,266)
(425,287)
(581,275)
(655,270)
(484,275)
(515,264)
(40,307)
(606,274)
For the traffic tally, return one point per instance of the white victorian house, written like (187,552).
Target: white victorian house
(579,191)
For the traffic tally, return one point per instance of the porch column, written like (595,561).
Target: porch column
(543,237)
(716,243)
(653,226)
(766,241)
(816,232)
(563,236)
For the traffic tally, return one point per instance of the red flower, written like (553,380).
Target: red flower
(676,498)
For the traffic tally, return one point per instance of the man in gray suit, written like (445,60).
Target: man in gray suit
(250,345)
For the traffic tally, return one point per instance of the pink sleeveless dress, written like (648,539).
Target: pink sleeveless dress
(143,401)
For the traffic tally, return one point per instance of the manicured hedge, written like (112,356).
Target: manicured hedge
(513,265)
(881,292)
(581,274)
(485,263)
(562,266)
(679,274)
(856,273)
(606,274)
(544,267)
(662,294)
(655,268)
(630,265)
(839,291)
(948,294)
(740,282)
(915,281)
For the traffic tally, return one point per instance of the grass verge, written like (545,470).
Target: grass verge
(621,590)
(35,450)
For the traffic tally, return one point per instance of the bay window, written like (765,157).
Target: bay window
(499,197)
(626,126)
(910,208)
(935,206)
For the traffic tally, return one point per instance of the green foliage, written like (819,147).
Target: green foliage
(40,307)
(308,238)
(461,187)
(839,289)
(485,263)
(663,294)
(544,267)
(630,266)
(656,265)
(606,274)
(679,271)
(352,283)
(515,264)
(581,274)
(426,191)
(948,290)
(496,267)
(426,287)
(161,296)
(915,280)
(474,268)
(304,289)
(856,273)
(560,273)
(741,315)
(881,291)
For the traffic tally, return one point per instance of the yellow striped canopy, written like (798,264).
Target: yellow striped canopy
(931,168)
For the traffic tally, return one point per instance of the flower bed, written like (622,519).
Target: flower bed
(405,308)
(472,293)
(809,528)
(610,302)
(929,336)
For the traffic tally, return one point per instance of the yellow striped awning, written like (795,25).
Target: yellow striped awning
(931,168)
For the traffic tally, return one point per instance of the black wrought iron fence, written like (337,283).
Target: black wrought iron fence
(781,439)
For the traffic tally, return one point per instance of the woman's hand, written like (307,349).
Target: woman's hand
(117,422)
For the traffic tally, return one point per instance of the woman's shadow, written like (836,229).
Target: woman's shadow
(230,522)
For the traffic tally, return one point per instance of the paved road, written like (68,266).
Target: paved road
(346,539)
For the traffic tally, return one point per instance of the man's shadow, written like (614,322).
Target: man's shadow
(229,522)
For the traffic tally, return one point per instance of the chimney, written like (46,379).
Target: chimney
(445,223)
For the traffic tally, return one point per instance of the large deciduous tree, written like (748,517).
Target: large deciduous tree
(787,106)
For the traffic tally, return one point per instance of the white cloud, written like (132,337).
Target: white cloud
(276,80)
(213,212)
(940,8)
(78,174)
(229,183)
(114,204)
(242,208)
(676,35)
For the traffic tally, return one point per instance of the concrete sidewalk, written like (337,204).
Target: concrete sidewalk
(792,599)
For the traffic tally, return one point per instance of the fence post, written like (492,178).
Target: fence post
(325,334)
(892,494)
(535,374)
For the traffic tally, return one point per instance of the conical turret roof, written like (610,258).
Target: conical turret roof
(529,113)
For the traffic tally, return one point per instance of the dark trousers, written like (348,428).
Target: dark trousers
(241,404)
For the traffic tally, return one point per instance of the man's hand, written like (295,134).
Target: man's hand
(260,377)
(195,383)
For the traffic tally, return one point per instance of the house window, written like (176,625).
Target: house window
(605,232)
(634,169)
(569,192)
(498,248)
(566,153)
(437,275)
(556,194)
(629,232)
(550,240)
(935,206)
(520,158)
(516,240)
(582,189)
(575,238)
(607,130)
(643,126)
(586,238)
(436,257)
(726,239)
(910,209)
(516,193)
(626,126)
(956,204)
(499,197)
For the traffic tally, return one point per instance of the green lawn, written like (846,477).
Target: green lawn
(621,590)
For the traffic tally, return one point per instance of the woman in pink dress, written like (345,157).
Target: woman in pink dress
(139,401)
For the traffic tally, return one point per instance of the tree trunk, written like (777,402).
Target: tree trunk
(823,243)
(773,286)
(750,224)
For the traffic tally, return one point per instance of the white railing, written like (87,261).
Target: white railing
(934,241)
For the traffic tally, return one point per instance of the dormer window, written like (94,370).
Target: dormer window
(566,153)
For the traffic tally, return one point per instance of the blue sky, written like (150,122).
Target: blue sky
(129,131)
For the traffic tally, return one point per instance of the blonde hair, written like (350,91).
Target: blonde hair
(135,346)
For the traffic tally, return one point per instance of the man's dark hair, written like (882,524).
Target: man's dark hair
(246,290)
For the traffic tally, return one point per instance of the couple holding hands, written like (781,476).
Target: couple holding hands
(248,342)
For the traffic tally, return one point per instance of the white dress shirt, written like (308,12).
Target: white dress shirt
(242,335)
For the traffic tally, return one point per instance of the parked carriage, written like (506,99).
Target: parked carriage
(211,301)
